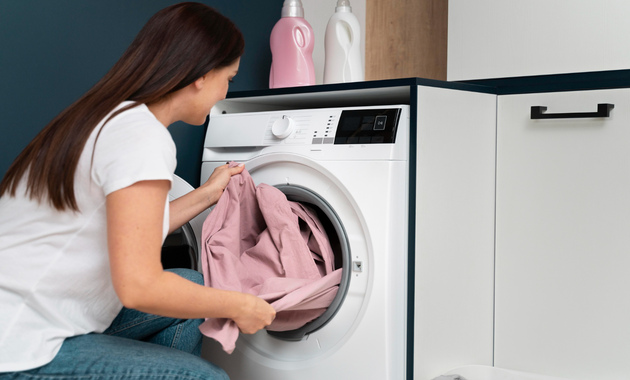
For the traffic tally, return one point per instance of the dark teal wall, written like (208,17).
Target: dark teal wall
(52,51)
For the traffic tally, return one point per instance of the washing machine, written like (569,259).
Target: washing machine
(352,166)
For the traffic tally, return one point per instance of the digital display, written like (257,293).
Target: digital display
(373,126)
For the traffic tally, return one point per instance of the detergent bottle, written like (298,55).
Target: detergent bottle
(342,46)
(291,45)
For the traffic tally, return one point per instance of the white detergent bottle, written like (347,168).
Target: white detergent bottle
(291,45)
(342,46)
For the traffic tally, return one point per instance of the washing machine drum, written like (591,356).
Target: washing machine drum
(339,242)
(180,249)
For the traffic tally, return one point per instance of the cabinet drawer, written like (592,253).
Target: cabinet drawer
(563,236)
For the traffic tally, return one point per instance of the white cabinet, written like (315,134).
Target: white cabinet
(508,38)
(563,237)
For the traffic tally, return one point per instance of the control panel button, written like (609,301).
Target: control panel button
(282,128)
(380,123)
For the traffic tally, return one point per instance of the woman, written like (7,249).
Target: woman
(84,211)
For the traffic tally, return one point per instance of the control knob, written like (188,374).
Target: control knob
(282,128)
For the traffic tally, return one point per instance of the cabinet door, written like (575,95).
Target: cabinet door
(563,237)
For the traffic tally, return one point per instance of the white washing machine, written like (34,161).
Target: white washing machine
(352,164)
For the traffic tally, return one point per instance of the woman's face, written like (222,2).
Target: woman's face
(214,88)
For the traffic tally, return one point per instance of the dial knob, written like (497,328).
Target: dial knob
(282,128)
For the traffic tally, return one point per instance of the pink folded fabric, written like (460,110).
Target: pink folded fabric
(256,241)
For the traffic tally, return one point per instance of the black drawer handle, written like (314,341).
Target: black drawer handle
(603,110)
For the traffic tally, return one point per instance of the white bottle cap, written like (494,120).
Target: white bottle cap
(292,8)
(343,6)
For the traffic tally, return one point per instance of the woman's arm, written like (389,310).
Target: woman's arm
(186,207)
(134,232)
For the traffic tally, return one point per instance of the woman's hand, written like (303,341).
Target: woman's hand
(218,181)
(188,206)
(255,315)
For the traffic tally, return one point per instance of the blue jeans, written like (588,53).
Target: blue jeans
(136,346)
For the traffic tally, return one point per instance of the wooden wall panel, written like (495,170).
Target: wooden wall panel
(406,38)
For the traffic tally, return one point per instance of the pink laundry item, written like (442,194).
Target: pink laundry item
(256,241)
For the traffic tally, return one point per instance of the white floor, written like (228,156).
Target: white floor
(480,372)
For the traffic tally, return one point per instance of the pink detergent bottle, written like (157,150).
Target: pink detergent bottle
(292,48)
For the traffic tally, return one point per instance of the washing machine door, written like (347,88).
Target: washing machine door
(306,181)
(181,248)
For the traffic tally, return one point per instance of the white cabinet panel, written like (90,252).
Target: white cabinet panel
(454,255)
(507,38)
(563,237)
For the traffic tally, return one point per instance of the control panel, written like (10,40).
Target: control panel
(359,126)
(320,127)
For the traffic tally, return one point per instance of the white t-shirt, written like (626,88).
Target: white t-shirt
(54,267)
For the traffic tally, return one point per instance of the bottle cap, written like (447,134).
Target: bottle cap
(343,5)
(292,8)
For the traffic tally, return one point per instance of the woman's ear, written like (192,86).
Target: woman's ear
(199,83)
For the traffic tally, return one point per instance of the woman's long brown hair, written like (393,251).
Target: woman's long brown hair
(178,45)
